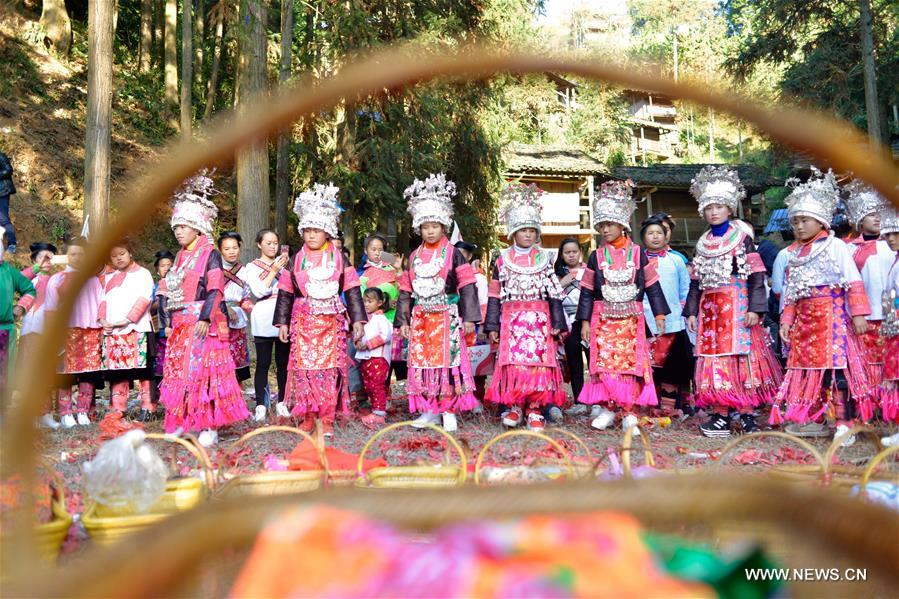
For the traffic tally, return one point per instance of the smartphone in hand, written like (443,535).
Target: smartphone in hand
(285,249)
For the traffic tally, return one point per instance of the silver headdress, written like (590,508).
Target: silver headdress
(317,208)
(862,201)
(889,220)
(191,205)
(718,185)
(431,200)
(521,208)
(816,198)
(614,203)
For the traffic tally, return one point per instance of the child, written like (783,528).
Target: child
(373,354)
(671,351)
(376,273)
(33,321)
(889,392)
(199,389)
(12,282)
(735,367)
(82,350)
(237,302)
(441,285)
(825,306)
(611,312)
(262,280)
(525,315)
(873,259)
(163,263)
(124,314)
(570,270)
(311,316)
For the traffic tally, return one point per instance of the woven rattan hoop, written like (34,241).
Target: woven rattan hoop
(194,449)
(463,461)
(534,435)
(626,448)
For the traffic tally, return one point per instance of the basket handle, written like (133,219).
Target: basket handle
(583,445)
(626,448)
(797,440)
(555,445)
(322,459)
(195,449)
(838,439)
(55,479)
(463,461)
(875,461)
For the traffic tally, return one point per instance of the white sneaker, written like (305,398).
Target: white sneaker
(578,409)
(890,441)
(208,438)
(281,410)
(630,421)
(48,421)
(259,414)
(842,429)
(83,420)
(595,410)
(67,421)
(603,420)
(425,419)
(450,424)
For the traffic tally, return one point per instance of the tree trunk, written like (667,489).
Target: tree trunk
(282,170)
(217,49)
(186,69)
(200,46)
(345,155)
(55,21)
(146,35)
(252,160)
(99,113)
(171,55)
(872,105)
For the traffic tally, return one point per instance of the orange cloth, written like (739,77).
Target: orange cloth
(305,457)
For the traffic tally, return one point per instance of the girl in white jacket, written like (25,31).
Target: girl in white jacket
(373,355)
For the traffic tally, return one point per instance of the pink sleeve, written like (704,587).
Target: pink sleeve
(137,310)
(464,276)
(588,279)
(788,315)
(651,273)
(375,342)
(285,281)
(101,311)
(755,262)
(26,301)
(405,282)
(494,289)
(350,278)
(858,299)
(215,280)
(29,273)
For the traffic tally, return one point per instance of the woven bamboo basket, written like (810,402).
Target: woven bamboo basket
(627,448)
(50,535)
(108,525)
(260,484)
(567,469)
(873,464)
(412,477)
(585,466)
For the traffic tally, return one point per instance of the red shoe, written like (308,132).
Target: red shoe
(535,422)
(373,421)
(512,418)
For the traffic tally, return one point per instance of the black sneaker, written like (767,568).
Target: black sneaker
(749,424)
(717,426)
(146,415)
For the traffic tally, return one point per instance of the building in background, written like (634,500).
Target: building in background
(655,135)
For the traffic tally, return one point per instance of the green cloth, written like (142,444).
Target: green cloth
(726,574)
(11,283)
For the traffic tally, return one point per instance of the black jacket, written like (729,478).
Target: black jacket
(469,309)
(657,303)
(755,283)
(203,295)
(6,185)
(284,306)
(494,311)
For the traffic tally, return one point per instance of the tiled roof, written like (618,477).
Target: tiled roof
(778,221)
(680,175)
(522,158)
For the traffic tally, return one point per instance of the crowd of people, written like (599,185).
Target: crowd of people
(635,328)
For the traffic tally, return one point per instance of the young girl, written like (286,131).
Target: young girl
(570,270)
(525,315)
(373,354)
(237,302)
(163,263)
(889,392)
(873,259)
(262,280)
(376,273)
(199,389)
(33,321)
(825,306)
(310,315)
(618,276)
(671,351)
(735,366)
(124,314)
(441,285)
(81,353)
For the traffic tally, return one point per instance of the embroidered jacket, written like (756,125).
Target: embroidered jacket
(204,283)
(126,297)
(542,288)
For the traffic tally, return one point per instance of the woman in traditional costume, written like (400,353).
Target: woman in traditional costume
(736,370)
(262,279)
(525,315)
(128,340)
(618,276)
(889,330)
(825,306)
(81,357)
(873,258)
(311,316)
(199,388)
(237,302)
(438,308)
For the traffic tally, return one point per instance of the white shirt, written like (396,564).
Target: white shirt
(377,327)
(133,293)
(778,272)
(265,298)
(234,295)
(874,274)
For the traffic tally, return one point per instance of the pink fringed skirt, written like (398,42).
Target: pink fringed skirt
(822,340)
(889,390)
(199,389)
(440,377)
